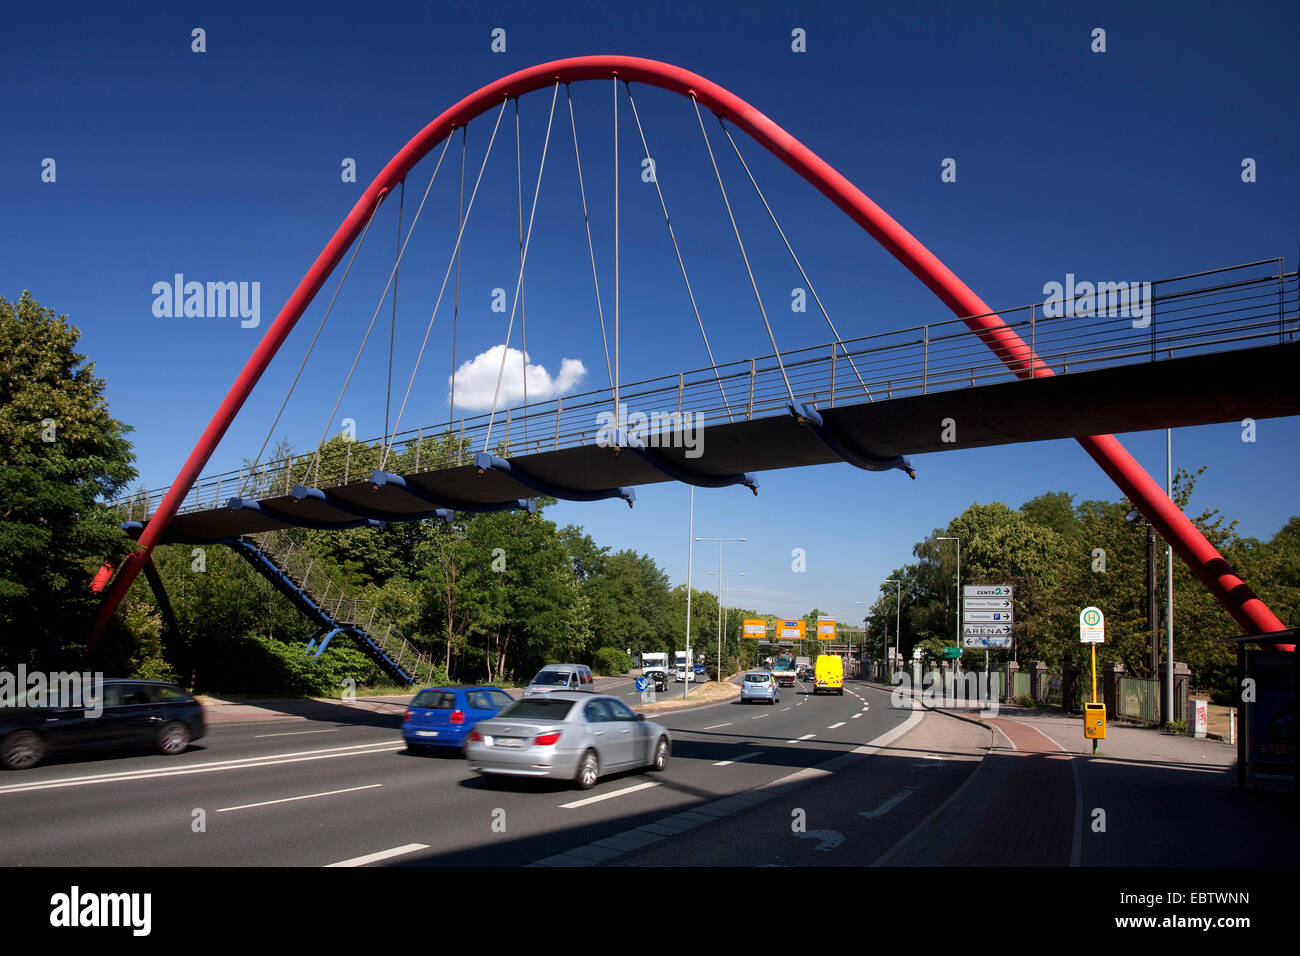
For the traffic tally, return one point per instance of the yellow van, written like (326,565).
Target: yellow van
(830,674)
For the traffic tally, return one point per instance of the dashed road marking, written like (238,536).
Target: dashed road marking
(306,796)
(889,804)
(716,726)
(728,763)
(804,737)
(382,855)
(834,726)
(606,796)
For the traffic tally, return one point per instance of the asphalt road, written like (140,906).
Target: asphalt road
(312,792)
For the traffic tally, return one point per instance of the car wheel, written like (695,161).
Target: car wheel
(173,738)
(22,749)
(588,771)
(661,755)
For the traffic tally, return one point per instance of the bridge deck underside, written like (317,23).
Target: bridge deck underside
(1200,390)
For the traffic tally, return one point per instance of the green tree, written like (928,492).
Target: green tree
(62,455)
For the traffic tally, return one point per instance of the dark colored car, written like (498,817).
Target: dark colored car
(128,712)
(658,678)
(444,716)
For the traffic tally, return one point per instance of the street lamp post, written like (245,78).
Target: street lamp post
(690,564)
(986,650)
(722,576)
(898,617)
(720,542)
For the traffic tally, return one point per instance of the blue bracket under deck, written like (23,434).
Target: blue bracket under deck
(381,478)
(302,492)
(807,415)
(675,471)
(488,462)
(248,504)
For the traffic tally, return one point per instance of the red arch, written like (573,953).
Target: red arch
(1206,563)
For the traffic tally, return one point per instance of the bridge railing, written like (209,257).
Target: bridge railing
(1219,310)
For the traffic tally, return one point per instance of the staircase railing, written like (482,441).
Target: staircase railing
(340,605)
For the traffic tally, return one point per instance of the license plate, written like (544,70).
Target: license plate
(426,733)
(507,741)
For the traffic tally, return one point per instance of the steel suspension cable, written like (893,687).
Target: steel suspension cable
(591,249)
(460,234)
(414,222)
(663,205)
(541,167)
(798,264)
(320,328)
(753,284)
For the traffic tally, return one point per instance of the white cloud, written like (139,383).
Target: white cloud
(476,380)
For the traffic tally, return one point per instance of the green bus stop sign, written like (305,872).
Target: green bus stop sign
(952,653)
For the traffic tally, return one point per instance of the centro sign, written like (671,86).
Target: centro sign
(1092,626)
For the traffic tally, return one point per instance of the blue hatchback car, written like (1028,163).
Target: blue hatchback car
(443,716)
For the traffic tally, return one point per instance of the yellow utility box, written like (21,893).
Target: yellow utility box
(1094,721)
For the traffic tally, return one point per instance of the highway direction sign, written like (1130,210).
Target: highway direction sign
(969,617)
(986,643)
(987,591)
(985,630)
(986,604)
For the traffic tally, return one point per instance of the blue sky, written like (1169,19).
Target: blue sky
(225,166)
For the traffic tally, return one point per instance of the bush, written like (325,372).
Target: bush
(1025,700)
(610,661)
(254,664)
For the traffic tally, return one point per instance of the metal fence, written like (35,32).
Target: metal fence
(1139,699)
(1183,317)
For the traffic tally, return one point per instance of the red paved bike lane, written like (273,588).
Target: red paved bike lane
(1029,818)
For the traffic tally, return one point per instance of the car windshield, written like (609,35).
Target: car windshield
(755,678)
(547,678)
(435,700)
(529,709)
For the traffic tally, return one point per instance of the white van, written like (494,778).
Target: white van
(560,677)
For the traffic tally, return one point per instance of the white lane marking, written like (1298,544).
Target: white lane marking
(784,709)
(306,796)
(889,804)
(716,726)
(834,726)
(856,716)
(381,855)
(728,763)
(246,763)
(760,717)
(804,737)
(606,796)
(297,733)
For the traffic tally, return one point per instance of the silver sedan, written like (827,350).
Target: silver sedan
(567,735)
